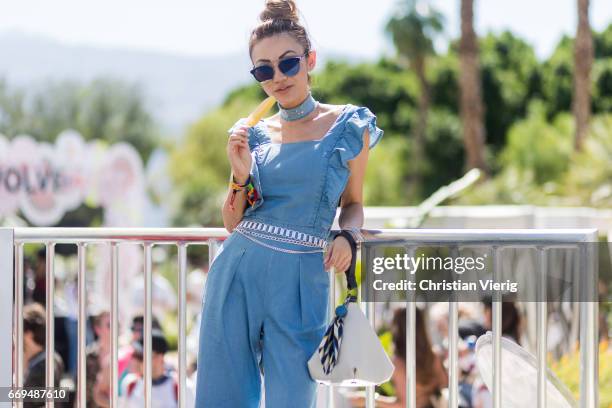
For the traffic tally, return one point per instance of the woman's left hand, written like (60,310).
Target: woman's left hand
(338,255)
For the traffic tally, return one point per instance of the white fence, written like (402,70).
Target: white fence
(492,216)
(11,302)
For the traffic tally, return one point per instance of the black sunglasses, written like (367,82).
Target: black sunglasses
(289,66)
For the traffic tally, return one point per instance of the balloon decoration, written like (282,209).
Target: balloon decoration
(45,181)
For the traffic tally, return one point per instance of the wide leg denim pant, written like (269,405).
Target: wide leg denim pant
(264,312)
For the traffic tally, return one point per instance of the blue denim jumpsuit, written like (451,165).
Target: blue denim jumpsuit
(265,309)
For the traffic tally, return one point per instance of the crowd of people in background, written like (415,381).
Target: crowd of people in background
(431,350)
(165,385)
(431,355)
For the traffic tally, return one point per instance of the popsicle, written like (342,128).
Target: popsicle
(260,111)
(256,116)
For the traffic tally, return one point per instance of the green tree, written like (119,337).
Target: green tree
(602,43)
(557,75)
(470,85)
(602,71)
(588,180)
(557,78)
(104,109)
(533,164)
(583,61)
(510,79)
(537,148)
(412,30)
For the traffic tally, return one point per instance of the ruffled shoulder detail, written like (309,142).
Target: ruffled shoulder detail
(346,142)
(349,141)
(256,133)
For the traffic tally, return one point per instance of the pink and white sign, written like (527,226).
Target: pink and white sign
(45,181)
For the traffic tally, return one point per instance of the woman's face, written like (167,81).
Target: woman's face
(288,91)
(488,318)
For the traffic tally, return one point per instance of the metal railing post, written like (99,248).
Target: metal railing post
(411,339)
(6,308)
(371,315)
(182,346)
(19,283)
(331,403)
(114,374)
(453,342)
(50,319)
(148,320)
(496,308)
(82,328)
(453,358)
(589,332)
(542,326)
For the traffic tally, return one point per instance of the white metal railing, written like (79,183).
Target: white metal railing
(13,240)
(6,304)
(491,216)
(540,239)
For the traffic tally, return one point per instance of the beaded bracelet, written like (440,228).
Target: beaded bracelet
(239,187)
(251,191)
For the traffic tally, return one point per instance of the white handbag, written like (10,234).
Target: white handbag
(350,353)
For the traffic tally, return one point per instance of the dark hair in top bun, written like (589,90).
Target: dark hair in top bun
(280,10)
(280,16)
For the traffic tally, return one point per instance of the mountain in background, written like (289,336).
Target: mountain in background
(177,89)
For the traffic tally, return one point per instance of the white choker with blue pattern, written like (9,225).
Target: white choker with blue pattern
(301,111)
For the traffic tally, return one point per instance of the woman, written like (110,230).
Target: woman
(266,295)
(511,319)
(511,329)
(431,376)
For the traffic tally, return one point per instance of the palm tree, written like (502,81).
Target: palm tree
(583,60)
(412,30)
(471,106)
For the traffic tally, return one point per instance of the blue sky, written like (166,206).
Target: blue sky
(212,27)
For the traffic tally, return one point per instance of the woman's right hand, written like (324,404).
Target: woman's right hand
(239,154)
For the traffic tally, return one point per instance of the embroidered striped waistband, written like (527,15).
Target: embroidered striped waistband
(280,234)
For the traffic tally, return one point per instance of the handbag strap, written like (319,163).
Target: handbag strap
(351,279)
(329,348)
